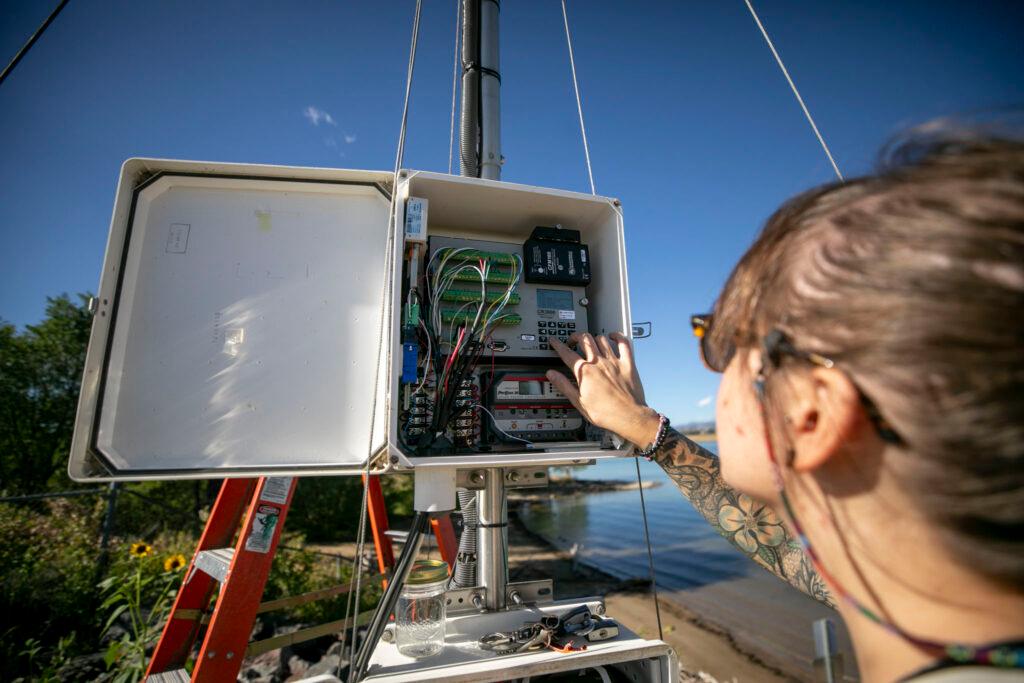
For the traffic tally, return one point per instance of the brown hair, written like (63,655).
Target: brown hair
(912,280)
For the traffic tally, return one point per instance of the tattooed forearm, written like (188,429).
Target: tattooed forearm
(752,527)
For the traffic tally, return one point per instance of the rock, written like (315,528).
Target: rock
(264,667)
(297,666)
(327,665)
(335,648)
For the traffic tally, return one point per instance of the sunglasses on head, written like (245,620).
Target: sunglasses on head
(776,345)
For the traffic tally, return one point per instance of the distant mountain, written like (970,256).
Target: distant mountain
(707,426)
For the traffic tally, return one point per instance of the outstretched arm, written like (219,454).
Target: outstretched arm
(752,527)
(609,394)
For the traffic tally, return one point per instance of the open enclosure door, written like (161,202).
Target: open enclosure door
(238,324)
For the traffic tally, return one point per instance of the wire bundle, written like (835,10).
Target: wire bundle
(455,340)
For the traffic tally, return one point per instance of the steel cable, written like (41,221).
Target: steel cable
(356,582)
(579,103)
(792,85)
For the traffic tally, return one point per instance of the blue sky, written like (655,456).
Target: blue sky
(689,120)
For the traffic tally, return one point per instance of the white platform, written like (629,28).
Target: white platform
(462,659)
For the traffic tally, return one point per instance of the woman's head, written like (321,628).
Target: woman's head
(912,282)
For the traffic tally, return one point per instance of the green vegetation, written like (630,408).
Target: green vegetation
(74,609)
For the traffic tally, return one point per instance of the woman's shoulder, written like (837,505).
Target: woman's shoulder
(963,674)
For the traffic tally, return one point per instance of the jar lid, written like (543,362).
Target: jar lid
(427,571)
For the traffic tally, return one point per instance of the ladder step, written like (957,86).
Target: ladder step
(215,562)
(176,676)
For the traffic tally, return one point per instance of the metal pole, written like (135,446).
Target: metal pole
(480,156)
(480,110)
(828,663)
(490,92)
(492,538)
(106,530)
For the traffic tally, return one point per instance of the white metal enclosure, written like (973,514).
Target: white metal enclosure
(239,316)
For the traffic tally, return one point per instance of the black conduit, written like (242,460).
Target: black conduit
(469,120)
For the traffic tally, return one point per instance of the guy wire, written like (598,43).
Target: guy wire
(385,308)
(590,176)
(792,86)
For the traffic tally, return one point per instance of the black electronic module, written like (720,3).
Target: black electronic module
(556,256)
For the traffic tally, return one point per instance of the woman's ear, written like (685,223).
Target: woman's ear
(825,414)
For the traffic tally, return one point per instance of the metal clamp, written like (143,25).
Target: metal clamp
(514,478)
(551,630)
(529,637)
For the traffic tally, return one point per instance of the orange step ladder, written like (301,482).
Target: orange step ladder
(242,571)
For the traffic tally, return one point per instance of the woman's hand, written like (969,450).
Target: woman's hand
(610,395)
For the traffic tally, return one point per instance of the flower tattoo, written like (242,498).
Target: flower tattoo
(754,528)
(751,524)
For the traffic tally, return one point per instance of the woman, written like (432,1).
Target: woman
(870,416)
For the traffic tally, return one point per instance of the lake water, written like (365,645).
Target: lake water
(695,567)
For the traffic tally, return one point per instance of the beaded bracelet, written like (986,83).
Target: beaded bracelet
(659,438)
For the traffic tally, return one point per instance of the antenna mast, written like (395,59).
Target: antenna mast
(480,111)
(480,157)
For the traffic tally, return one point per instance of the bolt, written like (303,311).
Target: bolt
(478,601)
(476,477)
(515,597)
(211,654)
(512,475)
(599,609)
(230,655)
(394,459)
(584,302)
(387,636)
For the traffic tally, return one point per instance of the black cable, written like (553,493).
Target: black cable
(479,92)
(403,567)
(650,553)
(55,494)
(31,41)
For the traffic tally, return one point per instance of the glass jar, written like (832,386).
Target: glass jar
(420,613)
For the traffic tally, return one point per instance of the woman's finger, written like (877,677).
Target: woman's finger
(568,356)
(624,347)
(586,342)
(567,388)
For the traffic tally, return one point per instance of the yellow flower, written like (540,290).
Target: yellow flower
(174,563)
(141,549)
(751,524)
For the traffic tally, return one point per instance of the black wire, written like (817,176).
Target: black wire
(54,494)
(650,553)
(31,41)
(479,91)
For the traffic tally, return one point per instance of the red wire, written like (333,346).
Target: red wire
(451,356)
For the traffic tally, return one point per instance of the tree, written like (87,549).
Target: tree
(40,375)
